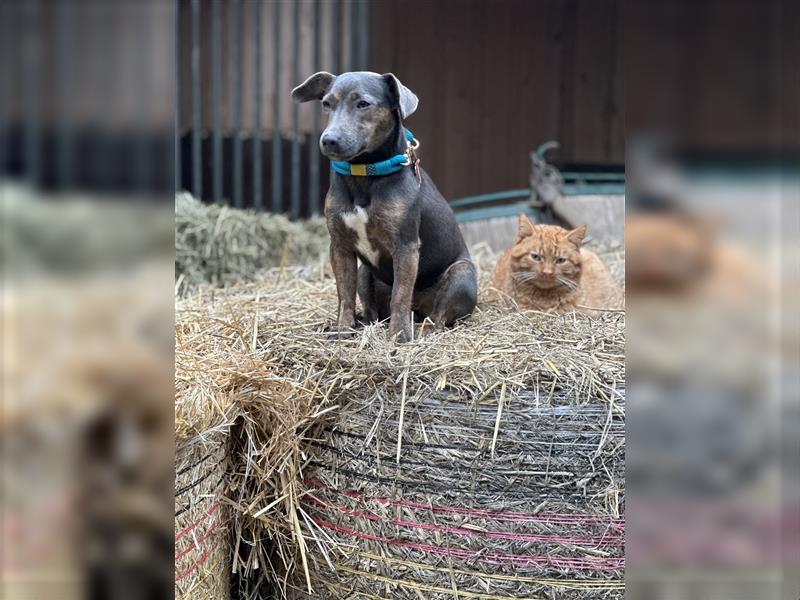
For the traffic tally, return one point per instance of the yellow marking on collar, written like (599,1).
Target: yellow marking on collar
(358,170)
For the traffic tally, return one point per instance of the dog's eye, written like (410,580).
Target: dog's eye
(362,104)
(536,257)
(561,260)
(326,105)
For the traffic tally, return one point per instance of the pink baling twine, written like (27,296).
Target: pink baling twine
(596,541)
(480,513)
(494,558)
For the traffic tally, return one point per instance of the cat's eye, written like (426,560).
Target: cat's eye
(362,104)
(536,257)
(561,260)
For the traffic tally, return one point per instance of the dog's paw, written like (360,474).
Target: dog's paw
(335,332)
(428,327)
(362,320)
(401,335)
(341,335)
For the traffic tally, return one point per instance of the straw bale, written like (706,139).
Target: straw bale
(508,412)
(221,245)
(202,521)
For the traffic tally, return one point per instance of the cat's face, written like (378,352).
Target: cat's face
(666,251)
(547,256)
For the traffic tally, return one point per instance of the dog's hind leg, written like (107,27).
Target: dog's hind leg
(374,295)
(456,294)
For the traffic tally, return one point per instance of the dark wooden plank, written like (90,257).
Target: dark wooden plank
(277,202)
(617,124)
(494,124)
(495,80)
(258,195)
(216,96)
(461,83)
(593,78)
(197,167)
(568,25)
(178,169)
(532,87)
(789,45)
(236,44)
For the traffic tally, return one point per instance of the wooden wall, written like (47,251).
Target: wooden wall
(329,60)
(104,65)
(719,75)
(496,79)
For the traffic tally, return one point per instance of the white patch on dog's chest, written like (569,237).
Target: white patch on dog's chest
(357,221)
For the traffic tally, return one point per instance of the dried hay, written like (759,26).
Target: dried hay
(485,461)
(70,233)
(222,245)
(86,428)
(204,416)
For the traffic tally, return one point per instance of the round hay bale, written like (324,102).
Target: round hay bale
(202,535)
(485,461)
(204,418)
(504,496)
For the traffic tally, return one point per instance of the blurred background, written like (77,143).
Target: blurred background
(109,108)
(713,174)
(87,255)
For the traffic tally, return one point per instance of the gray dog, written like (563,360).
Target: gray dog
(383,209)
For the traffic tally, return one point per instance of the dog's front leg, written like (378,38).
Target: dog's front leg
(406,262)
(345,269)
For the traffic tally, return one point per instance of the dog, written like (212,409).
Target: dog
(384,210)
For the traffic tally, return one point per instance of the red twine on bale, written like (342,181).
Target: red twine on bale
(203,558)
(596,541)
(207,513)
(199,542)
(514,517)
(494,558)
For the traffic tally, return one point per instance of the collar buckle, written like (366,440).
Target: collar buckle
(412,159)
(411,155)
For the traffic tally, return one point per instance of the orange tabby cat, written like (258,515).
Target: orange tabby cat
(546,269)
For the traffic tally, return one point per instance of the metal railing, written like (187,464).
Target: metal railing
(292,179)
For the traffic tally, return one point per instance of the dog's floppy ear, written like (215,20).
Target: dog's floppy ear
(401,97)
(313,88)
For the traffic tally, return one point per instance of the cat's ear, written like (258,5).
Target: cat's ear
(525,228)
(576,235)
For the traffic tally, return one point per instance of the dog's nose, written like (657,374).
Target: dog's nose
(330,142)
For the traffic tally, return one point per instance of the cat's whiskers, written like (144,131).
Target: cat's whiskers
(525,276)
(567,282)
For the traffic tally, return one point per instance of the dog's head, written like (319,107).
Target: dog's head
(361,110)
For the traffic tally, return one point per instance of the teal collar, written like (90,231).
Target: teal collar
(384,167)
